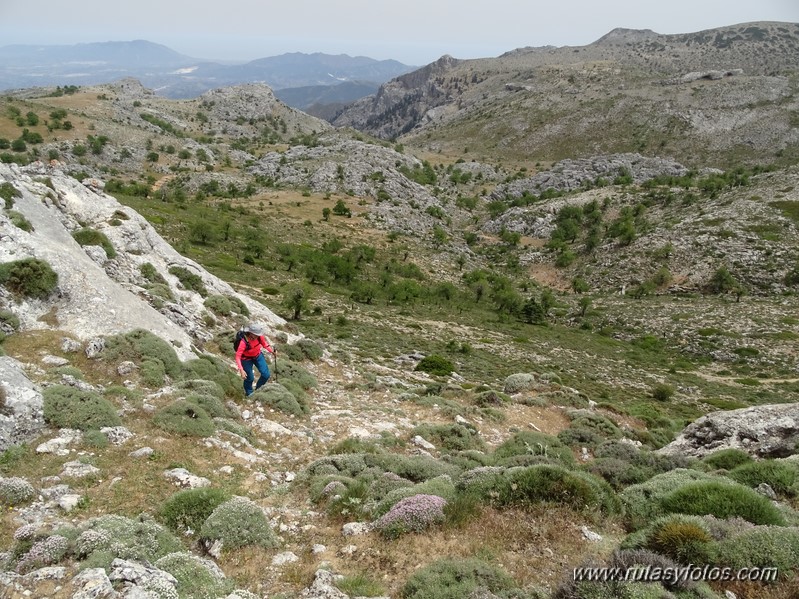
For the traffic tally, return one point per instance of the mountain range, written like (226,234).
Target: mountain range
(175,75)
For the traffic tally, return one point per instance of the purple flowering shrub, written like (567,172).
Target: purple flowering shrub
(412,514)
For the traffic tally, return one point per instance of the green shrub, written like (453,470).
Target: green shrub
(662,392)
(414,468)
(291,352)
(490,398)
(455,579)
(310,349)
(440,486)
(617,473)
(296,390)
(452,437)
(286,369)
(95,438)
(184,418)
(150,273)
(238,523)
(196,577)
(189,280)
(723,500)
(781,476)
(727,459)
(140,344)
(242,430)
(152,372)
(685,539)
(111,536)
(436,365)
(15,491)
(212,405)
(278,397)
(642,502)
(187,510)
(28,277)
(515,383)
(8,192)
(203,387)
(8,320)
(69,407)
(762,547)
(19,221)
(88,236)
(218,304)
(211,368)
(531,443)
(544,483)
(238,306)
(360,585)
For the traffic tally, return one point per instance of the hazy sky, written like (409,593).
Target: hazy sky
(412,31)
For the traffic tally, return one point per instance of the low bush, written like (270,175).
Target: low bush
(152,372)
(210,403)
(185,419)
(618,473)
(452,437)
(231,426)
(218,304)
(189,280)
(151,274)
(112,536)
(203,387)
(28,277)
(15,491)
(436,365)
(727,459)
(529,443)
(762,547)
(276,396)
(310,349)
(440,486)
(685,539)
(490,398)
(211,368)
(782,476)
(140,344)
(723,500)
(411,514)
(516,383)
(544,483)
(414,468)
(187,510)
(19,221)
(238,523)
(88,236)
(197,577)
(456,578)
(286,369)
(70,407)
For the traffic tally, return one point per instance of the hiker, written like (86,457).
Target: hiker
(249,354)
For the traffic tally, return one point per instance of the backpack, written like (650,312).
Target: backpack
(239,338)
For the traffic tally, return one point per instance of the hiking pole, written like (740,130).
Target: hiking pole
(274,353)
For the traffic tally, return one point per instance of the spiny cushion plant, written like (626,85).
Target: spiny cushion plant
(140,344)
(184,418)
(70,407)
(238,523)
(29,277)
(723,500)
(89,236)
(528,443)
(727,459)
(412,514)
(782,476)
(456,578)
(188,509)
(276,396)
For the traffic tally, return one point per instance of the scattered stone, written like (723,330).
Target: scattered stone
(58,445)
(287,557)
(318,548)
(323,587)
(54,361)
(423,443)
(769,431)
(348,550)
(126,367)
(95,347)
(226,470)
(766,490)
(117,435)
(79,470)
(290,476)
(93,583)
(461,420)
(141,575)
(183,478)
(730,595)
(590,535)
(352,529)
(585,456)
(47,573)
(144,452)
(69,501)
(70,346)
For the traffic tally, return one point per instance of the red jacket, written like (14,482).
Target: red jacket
(248,350)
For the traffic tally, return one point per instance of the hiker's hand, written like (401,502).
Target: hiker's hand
(242,374)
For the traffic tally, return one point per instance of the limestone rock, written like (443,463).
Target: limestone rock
(77,469)
(769,431)
(93,583)
(22,418)
(184,478)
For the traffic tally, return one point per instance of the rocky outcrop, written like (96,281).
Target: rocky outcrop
(770,431)
(21,415)
(98,294)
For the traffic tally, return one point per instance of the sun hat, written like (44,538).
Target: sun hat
(255,329)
